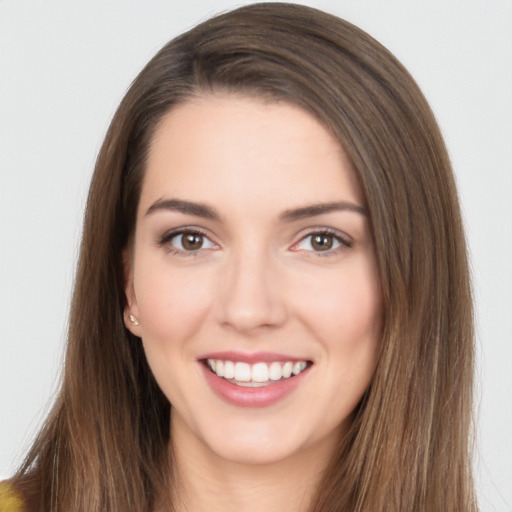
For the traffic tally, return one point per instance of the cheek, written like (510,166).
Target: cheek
(170,304)
(172,307)
(345,310)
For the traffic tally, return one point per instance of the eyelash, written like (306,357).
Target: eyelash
(165,240)
(344,241)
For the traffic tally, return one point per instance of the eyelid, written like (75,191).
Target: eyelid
(164,239)
(345,240)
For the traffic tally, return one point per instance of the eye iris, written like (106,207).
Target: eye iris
(321,242)
(192,241)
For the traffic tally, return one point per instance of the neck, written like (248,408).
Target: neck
(206,482)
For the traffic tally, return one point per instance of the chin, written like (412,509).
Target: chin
(255,453)
(268,442)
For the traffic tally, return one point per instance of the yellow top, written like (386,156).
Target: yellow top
(10,500)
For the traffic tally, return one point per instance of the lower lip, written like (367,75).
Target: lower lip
(252,397)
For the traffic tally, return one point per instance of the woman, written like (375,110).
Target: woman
(273,245)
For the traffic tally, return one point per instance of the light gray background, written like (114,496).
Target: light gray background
(64,66)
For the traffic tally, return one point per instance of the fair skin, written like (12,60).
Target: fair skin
(234,260)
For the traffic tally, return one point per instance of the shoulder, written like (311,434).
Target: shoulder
(10,500)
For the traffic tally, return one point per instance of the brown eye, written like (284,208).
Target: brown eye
(192,241)
(188,241)
(322,242)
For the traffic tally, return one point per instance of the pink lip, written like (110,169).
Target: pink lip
(251,358)
(252,397)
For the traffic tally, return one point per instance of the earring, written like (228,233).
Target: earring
(133,320)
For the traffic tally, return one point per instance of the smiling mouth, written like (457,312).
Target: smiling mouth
(258,374)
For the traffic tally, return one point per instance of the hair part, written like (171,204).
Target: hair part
(105,444)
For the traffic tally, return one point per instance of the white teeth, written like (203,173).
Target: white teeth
(257,374)
(287,369)
(297,367)
(229,370)
(219,368)
(275,372)
(242,372)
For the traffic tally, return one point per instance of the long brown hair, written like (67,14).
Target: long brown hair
(105,444)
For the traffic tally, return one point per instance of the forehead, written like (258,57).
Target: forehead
(232,148)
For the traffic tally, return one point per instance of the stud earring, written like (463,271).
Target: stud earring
(133,320)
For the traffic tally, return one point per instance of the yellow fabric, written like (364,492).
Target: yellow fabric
(10,501)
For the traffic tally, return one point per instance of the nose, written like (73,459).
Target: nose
(251,295)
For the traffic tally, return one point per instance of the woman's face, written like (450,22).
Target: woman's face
(253,279)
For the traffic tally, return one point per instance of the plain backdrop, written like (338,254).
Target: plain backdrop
(64,66)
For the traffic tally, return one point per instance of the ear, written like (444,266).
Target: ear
(131,311)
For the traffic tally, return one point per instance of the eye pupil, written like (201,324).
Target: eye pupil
(322,242)
(192,241)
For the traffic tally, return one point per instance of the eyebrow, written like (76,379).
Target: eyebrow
(320,209)
(186,207)
(291,215)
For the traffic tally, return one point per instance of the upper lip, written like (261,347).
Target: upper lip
(251,357)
